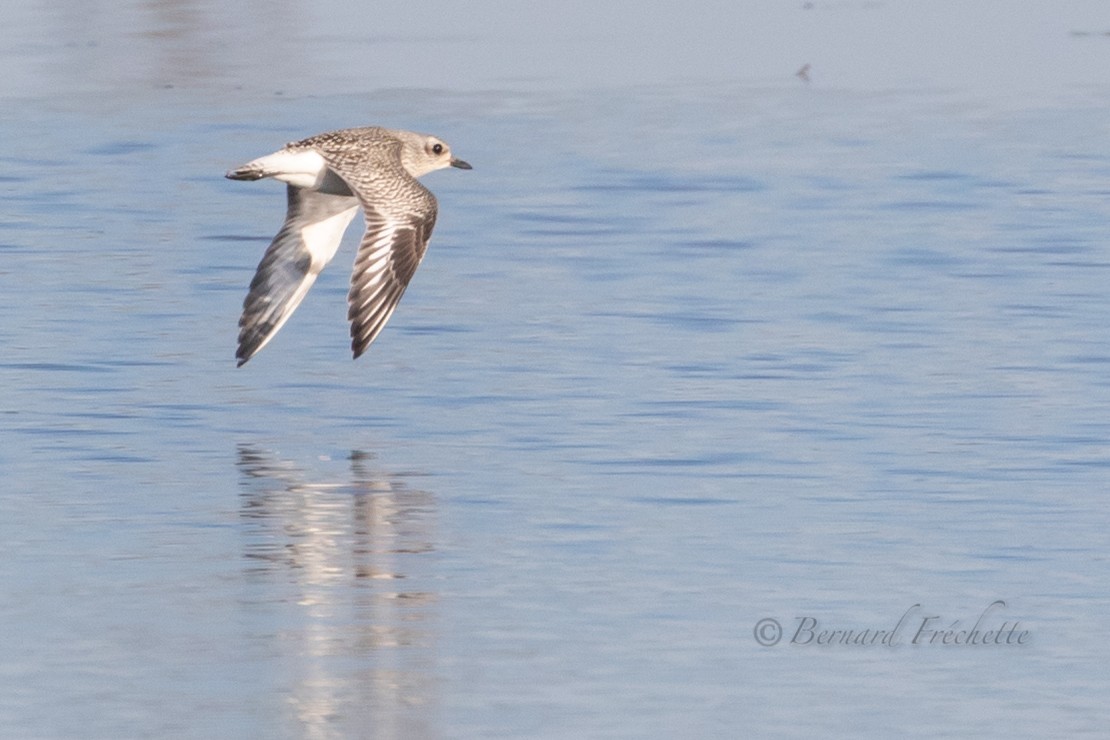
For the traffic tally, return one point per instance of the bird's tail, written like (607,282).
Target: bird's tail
(248,171)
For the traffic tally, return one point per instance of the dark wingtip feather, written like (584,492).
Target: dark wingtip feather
(242,354)
(251,340)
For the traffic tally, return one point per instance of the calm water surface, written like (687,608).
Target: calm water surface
(681,358)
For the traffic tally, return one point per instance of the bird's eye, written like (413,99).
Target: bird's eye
(437,148)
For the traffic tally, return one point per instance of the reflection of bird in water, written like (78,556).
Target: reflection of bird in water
(377,511)
(343,562)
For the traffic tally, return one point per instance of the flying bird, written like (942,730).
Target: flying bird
(328,177)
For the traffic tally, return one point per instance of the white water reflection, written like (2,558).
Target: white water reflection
(342,567)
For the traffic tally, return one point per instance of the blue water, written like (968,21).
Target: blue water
(684,355)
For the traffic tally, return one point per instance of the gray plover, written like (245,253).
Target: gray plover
(328,177)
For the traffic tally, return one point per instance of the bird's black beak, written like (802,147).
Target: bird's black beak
(460,164)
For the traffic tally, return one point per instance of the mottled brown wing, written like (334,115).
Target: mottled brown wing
(387,258)
(400,214)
